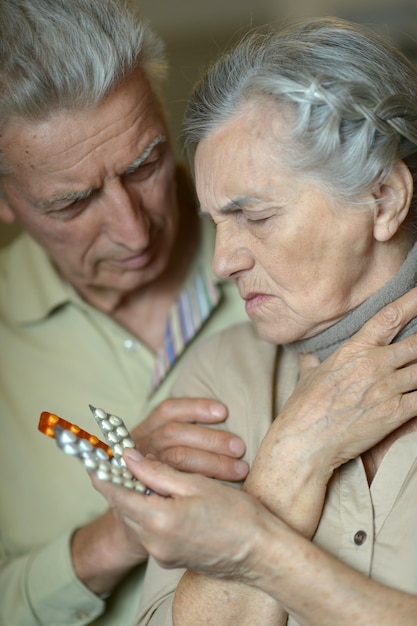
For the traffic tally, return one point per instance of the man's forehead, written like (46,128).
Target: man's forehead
(84,193)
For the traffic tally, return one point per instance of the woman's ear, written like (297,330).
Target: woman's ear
(393,198)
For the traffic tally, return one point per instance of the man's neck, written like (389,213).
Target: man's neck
(144,312)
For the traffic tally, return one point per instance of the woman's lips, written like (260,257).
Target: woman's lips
(255,300)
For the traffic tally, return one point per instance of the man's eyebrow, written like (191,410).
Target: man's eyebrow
(71,196)
(141,158)
(75,196)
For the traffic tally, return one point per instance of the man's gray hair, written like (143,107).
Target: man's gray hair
(68,54)
(352,94)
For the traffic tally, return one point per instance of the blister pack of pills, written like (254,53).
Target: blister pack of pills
(105,460)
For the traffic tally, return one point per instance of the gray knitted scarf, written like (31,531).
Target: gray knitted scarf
(330,339)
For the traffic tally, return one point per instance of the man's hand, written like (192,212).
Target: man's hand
(104,551)
(179,432)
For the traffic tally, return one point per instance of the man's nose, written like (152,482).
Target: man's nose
(126,220)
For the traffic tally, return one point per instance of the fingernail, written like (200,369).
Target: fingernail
(132,454)
(241,468)
(217,410)
(237,446)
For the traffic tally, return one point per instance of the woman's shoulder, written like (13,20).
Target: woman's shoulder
(233,343)
(234,354)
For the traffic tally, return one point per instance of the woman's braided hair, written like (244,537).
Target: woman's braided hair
(352,93)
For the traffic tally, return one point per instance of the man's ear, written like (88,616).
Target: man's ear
(6,214)
(393,198)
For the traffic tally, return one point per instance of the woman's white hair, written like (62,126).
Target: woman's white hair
(352,94)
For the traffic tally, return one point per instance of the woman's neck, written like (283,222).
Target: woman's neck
(326,342)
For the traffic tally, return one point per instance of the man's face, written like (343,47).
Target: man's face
(96,189)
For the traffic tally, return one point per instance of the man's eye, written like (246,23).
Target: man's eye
(69,211)
(143,172)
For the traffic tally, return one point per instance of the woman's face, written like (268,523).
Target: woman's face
(299,260)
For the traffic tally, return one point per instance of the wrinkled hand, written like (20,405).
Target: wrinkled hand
(363,392)
(179,432)
(192,522)
(340,409)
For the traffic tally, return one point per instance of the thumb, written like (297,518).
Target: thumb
(307,362)
(161,478)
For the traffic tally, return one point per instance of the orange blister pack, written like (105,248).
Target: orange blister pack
(105,460)
(48,421)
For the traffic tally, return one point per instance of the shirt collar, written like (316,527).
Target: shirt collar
(34,290)
(196,302)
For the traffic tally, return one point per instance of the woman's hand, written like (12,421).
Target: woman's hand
(340,408)
(190,520)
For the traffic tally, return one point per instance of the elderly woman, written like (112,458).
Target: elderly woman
(304,145)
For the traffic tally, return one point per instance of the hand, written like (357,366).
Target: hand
(195,525)
(365,391)
(104,551)
(179,432)
(191,522)
(340,409)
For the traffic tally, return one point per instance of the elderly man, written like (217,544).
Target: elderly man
(100,298)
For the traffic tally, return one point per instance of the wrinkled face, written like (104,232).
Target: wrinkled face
(300,261)
(96,188)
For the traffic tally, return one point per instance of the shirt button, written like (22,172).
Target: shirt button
(360,537)
(131,345)
(82,615)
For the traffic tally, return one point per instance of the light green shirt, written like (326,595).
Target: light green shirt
(59,354)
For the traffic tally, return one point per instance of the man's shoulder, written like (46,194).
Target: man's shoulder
(29,284)
(13,257)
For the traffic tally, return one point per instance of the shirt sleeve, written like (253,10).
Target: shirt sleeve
(41,587)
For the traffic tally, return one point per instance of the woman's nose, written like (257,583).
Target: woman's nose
(230,255)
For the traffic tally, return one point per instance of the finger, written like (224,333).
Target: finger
(390,320)
(405,379)
(204,410)
(396,355)
(205,463)
(194,436)
(161,478)
(118,496)
(306,363)
(406,351)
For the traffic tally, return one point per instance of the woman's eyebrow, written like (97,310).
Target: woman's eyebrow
(237,204)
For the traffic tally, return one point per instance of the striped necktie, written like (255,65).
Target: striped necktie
(186,317)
